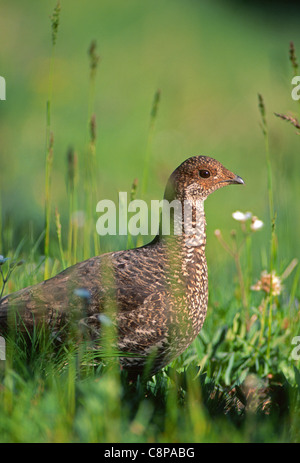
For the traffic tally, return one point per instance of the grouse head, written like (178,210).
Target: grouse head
(198,177)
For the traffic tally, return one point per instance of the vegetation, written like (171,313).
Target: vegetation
(240,380)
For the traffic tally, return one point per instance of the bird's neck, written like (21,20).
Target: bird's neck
(183,223)
(186,268)
(194,224)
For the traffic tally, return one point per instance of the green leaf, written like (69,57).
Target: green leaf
(297,376)
(228,370)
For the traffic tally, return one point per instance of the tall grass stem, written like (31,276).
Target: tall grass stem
(273,242)
(55,18)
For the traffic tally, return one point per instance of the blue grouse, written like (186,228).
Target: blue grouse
(159,291)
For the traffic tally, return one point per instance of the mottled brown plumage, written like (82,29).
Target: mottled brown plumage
(159,291)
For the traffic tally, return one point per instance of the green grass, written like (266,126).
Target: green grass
(238,382)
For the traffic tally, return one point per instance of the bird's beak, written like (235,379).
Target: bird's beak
(237,179)
(233,179)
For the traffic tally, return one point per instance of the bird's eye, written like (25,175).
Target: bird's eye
(204,173)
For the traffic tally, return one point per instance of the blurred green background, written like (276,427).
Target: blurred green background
(210,59)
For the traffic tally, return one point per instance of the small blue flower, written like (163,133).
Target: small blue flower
(3,260)
(104,319)
(83,293)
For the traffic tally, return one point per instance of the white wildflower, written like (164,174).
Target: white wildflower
(241,216)
(256,224)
